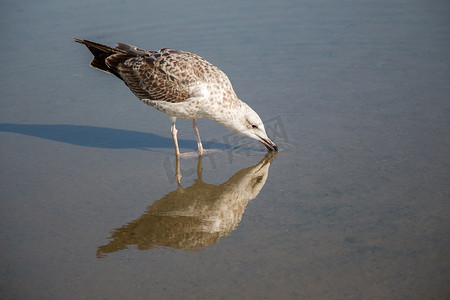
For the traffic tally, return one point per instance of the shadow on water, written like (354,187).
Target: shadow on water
(195,217)
(101,137)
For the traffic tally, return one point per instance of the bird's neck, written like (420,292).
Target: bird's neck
(226,112)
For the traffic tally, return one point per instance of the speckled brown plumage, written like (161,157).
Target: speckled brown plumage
(162,75)
(180,84)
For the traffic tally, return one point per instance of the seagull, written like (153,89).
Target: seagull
(182,85)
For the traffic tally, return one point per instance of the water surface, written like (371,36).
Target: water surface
(355,205)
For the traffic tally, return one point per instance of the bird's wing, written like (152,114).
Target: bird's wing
(163,75)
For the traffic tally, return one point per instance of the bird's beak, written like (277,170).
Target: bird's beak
(271,146)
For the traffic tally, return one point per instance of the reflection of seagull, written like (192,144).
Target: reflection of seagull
(182,85)
(193,217)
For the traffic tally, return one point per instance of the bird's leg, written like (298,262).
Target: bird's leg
(178,171)
(197,136)
(174,132)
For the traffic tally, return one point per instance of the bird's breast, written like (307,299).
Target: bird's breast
(206,101)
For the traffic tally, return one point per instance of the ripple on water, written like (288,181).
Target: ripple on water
(253,149)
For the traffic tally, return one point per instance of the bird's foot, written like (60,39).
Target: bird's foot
(188,154)
(195,154)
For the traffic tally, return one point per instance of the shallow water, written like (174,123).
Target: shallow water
(355,205)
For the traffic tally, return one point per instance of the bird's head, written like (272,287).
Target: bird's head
(248,123)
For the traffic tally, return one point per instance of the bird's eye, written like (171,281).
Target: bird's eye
(254,126)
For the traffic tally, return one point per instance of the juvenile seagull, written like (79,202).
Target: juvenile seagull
(182,85)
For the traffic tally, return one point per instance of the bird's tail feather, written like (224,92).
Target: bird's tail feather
(101,53)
